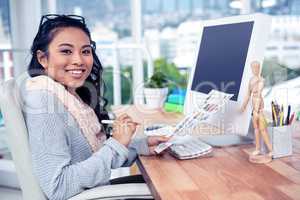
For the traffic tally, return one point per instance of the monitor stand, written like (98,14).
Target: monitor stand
(228,139)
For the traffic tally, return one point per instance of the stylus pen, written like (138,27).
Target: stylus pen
(108,121)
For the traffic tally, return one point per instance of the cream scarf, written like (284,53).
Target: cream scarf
(82,113)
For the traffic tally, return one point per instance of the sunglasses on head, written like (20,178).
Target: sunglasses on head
(50,17)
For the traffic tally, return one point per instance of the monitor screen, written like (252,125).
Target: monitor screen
(221,58)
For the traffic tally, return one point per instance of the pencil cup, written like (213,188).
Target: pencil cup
(281,139)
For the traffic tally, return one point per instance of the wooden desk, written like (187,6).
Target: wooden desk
(226,175)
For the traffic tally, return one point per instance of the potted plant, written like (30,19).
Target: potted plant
(156,90)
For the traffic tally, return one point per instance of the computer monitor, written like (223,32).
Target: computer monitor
(227,46)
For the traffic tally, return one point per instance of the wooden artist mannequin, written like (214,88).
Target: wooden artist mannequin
(256,85)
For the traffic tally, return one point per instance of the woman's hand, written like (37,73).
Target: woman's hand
(123,129)
(153,141)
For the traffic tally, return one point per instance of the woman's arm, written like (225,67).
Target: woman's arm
(52,160)
(138,146)
(144,146)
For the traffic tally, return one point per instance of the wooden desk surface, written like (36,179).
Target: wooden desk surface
(226,175)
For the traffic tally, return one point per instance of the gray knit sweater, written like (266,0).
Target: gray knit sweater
(62,158)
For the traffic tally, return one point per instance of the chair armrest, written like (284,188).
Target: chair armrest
(118,191)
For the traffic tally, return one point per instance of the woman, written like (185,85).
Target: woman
(63,108)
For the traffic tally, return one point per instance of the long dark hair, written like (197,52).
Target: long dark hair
(92,92)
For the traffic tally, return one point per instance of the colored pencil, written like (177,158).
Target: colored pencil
(275,116)
(292,118)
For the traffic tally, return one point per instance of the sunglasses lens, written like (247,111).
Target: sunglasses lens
(54,16)
(93,45)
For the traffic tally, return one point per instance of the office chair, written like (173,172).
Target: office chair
(19,146)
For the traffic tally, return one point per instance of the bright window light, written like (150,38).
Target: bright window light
(236,4)
(268,3)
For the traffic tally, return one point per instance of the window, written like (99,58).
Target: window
(6,70)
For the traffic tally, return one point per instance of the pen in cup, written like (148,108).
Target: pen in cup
(274,114)
(292,118)
(281,118)
(287,120)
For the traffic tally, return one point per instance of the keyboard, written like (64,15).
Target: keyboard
(191,148)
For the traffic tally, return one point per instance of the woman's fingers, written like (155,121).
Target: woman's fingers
(125,127)
(155,140)
(123,132)
(151,149)
(124,117)
(153,152)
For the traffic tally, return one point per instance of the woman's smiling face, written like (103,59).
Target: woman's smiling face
(69,58)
